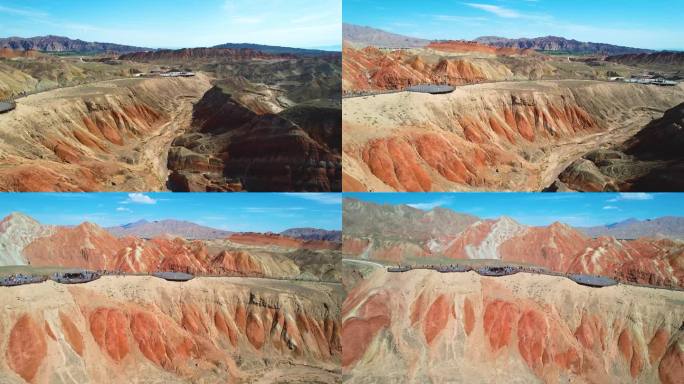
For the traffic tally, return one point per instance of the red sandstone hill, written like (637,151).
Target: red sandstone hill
(251,238)
(372,69)
(675,59)
(462,46)
(139,329)
(201,53)
(9,53)
(557,247)
(464,328)
(92,247)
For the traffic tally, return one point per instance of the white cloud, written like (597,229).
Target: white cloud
(430,205)
(297,23)
(632,196)
(123,209)
(22,12)
(610,207)
(322,198)
(139,198)
(497,10)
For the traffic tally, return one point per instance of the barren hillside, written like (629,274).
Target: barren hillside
(500,136)
(429,327)
(144,329)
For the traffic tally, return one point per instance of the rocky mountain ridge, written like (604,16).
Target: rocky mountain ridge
(557,247)
(52,43)
(556,43)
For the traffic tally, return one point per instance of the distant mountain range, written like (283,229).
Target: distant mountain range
(365,36)
(184,229)
(64,44)
(401,234)
(669,226)
(360,36)
(275,50)
(189,230)
(313,234)
(400,222)
(555,43)
(656,58)
(52,43)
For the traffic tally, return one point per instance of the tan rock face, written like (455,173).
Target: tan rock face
(282,241)
(156,329)
(372,69)
(499,136)
(521,328)
(97,137)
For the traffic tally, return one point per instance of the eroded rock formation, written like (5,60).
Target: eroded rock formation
(557,247)
(91,247)
(502,136)
(423,326)
(148,330)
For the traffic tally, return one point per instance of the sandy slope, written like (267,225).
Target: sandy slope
(428,327)
(111,135)
(496,136)
(144,329)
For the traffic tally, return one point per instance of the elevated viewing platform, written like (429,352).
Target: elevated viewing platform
(173,276)
(7,105)
(75,277)
(430,88)
(496,271)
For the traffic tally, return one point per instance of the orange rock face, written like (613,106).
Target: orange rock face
(671,367)
(468,316)
(255,331)
(26,348)
(281,241)
(358,331)
(455,143)
(90,247)
(498,321)
(108,327)
(72,334)
(370,69)
(557,247)
(552,328)
(471,46)
(436,318)
(532,332)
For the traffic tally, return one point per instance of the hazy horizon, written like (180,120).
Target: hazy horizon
(650,25)
(178,23)
(541,209)
(239,212)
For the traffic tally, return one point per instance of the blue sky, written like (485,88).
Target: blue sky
(260,212)
(655,24)
(178,23)
(576,209)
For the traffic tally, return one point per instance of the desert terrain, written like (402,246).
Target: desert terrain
(519,118)
(26,242)
(144,329)
(431,327)
(438,296)
(238,119)
(259,307)
(399,234)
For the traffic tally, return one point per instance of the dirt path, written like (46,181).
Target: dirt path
(564,154)
(154,150)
